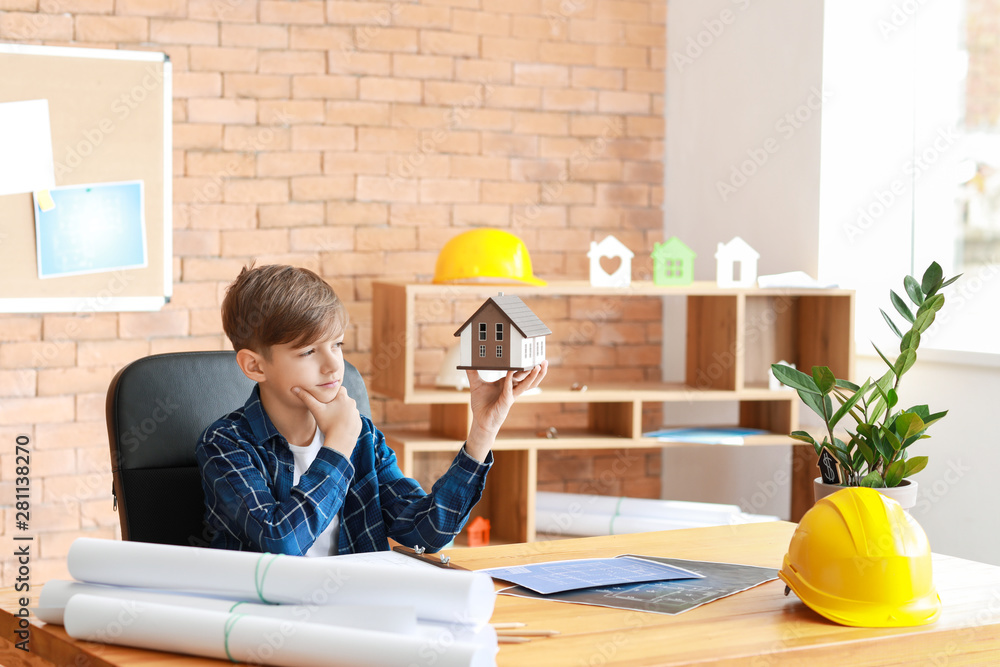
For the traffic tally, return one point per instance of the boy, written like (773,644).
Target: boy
(297,470)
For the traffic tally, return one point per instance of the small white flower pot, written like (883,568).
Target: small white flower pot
(905,494)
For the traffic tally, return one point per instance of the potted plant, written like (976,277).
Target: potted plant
(874,450)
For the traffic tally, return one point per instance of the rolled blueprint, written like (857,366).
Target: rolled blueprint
(449,596)
(257,639)
(664,510)
(57,593)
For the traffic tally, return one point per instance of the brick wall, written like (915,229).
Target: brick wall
(352,138)
(982,94)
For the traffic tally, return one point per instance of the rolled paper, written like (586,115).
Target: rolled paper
(449,596)
(257,639)
(57,593)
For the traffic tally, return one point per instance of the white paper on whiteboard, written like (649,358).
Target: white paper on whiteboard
(26,163)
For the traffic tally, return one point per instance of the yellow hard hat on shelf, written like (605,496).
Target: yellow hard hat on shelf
(858,559)
(485,256)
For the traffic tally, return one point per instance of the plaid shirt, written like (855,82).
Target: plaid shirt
(250,503)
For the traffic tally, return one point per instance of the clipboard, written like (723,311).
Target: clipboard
(421,554)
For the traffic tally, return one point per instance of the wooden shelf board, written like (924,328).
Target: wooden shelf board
(612,393)
(584,288)
(422,441)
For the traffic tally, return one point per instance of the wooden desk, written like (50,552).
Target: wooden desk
(759,627)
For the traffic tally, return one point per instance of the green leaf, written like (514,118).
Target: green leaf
(873,480)
(844,457)
(901,307)
(904,362)
(924,320)
(936,417)
(825,379)
(894,473)
(867,453)
(883,448)
(950,280)
(933,303)
(891,398)
(908,425)
(847,384)
(892,325)
(915,465)
(795,379)
(884,358)
(802,436)
(913,290)
(910,341)
(847,405)
(932,278)
(814,401)
(893,440)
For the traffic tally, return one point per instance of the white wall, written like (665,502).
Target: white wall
(744,86)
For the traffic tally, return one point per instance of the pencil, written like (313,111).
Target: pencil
(528,633)
(507,626)
(512,640)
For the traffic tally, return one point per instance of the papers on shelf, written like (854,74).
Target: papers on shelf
(792,279)
(566,575)
(26,162)
(706,435)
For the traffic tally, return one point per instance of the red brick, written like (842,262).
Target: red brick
(386,189)
(344,163)
(568,99)
(32,26)
(495,143)
(492,215)
(197,84)
(78,327)
(47,354)
(362,13)
(619,102)
(227,11)
(18,5)
(422,67)
(322,188)
(508,193)
(199,136)
(619,194)
(18,383)
(192,243)
(528,122)
(322,239)
(390,90)
(622,10)
(256,36)
(388,238)
(533,74)
(653,126)
(111,29)
(378,38)
(480,23)
(513,97)
(256,191)
(270,137)
(343,60)
(243,243)
(257,85)
(295,163)
(513,6)
(388,140)
(20,328)
(69,6)
(225,111)
(37,410)
(357,113)
(621,56)
(646,35)
(223,59)
(322,137)
(292,62)
(291,112)
(356,213)
(566,53)
(170,31)
(436,42)
(219,164)
(220,216)
(483,71)
(324,87)
(422,16)
(321,38)
(291,215)
(419,116)
(506,48)
(63,381)
(453,190)
(599,77)
(596,31)
(644,172)
(645,81)
(480,167)
(300,11)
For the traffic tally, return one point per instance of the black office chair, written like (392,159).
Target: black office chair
(157,407)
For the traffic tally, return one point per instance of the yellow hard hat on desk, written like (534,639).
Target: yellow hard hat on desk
(485,256)
(858,559)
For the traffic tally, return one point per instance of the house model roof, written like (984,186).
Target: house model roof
(609,247)
(521,317)
(737,248)
(672,247)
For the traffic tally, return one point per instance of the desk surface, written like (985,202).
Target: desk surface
(759,627)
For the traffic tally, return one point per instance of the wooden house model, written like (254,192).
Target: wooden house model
(503,334)
(673,262)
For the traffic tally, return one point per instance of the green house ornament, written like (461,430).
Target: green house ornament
(673,263)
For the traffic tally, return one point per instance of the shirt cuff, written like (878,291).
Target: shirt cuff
(337,462)
(472,465)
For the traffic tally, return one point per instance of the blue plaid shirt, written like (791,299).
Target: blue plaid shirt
(250,503)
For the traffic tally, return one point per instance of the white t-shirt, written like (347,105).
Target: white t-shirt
(326,542)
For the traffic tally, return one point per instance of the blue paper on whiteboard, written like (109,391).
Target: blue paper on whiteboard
(92,228)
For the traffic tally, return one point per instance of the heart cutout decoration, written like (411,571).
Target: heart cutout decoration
(610,263)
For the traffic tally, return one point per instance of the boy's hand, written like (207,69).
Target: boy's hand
(491,401)
(339,419)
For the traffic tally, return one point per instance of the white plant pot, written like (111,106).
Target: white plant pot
(905,494)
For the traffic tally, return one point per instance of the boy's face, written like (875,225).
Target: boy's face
(317,368)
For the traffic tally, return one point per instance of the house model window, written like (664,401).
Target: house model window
(521,348)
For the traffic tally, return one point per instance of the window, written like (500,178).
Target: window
(482,331)
(482,351)
(499,351)
(499,331)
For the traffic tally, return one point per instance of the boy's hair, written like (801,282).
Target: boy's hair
(274,304)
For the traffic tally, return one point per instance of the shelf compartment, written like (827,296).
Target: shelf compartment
(646,392)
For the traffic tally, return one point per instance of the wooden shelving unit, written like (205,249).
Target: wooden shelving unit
(732,337)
